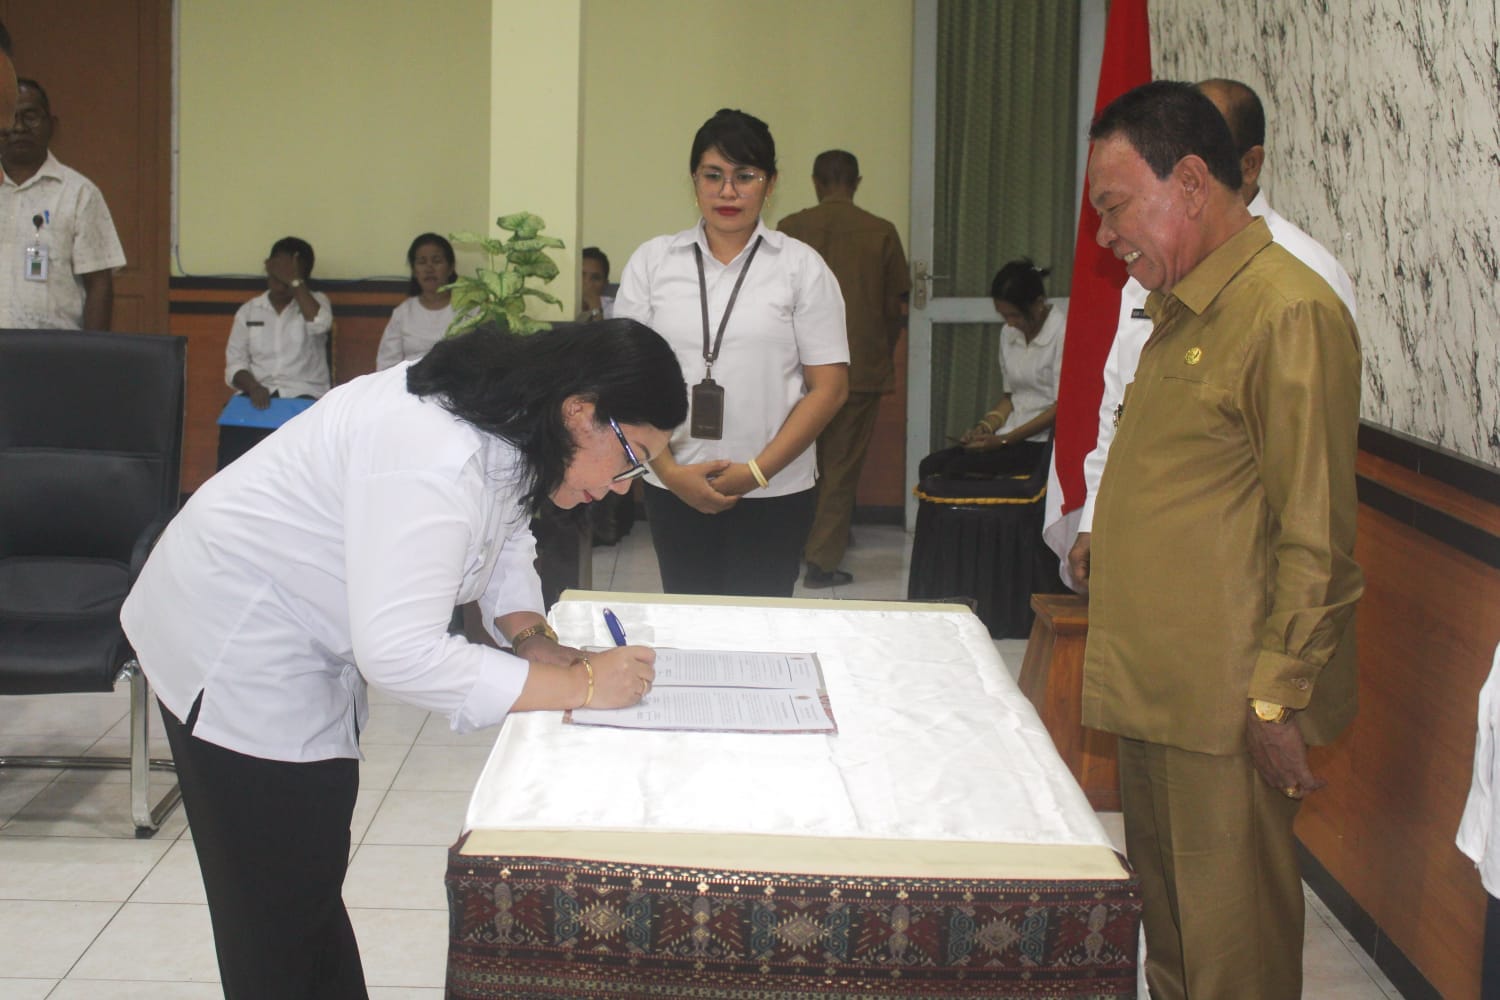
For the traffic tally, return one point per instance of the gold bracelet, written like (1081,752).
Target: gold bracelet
(760,477)
(530,631)
(590,668)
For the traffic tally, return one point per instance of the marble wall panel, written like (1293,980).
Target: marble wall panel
(1383,142)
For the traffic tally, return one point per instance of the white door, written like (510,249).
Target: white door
(928,310)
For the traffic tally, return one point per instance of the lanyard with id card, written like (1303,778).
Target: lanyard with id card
(706,409)
(34,258)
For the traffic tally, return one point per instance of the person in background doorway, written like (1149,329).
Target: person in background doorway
(864,253)
(1013,437)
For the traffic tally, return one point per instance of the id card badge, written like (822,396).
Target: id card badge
(34,266)
(706,414)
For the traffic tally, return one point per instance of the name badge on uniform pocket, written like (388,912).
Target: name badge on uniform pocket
(706,414)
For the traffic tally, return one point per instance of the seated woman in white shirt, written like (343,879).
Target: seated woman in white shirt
(423,319)
(1013,437)
(330,558)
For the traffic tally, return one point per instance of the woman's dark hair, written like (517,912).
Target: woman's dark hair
(744,140)
(513,387)
(1019,283)
(429,239)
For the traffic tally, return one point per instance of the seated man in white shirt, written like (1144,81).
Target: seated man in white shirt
(278,345)
(1242,109)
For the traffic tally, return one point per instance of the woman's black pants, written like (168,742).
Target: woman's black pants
(753,549)
(273,844)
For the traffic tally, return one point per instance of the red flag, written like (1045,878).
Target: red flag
(1094,299)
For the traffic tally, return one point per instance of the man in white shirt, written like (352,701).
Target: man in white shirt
(58,246)
(278,345)
(1242,109)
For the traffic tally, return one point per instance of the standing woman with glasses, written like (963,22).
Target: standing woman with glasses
(757,322)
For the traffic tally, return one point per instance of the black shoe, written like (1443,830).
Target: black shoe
(817,579)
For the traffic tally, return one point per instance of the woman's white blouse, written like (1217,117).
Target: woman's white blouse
(331,556)
(1032,371)
(789,313)
(412,331)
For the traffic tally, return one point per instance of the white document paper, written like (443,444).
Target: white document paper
(717,668)
(725,692)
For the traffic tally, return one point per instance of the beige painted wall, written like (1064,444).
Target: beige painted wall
(824,74)
(392,123)
(355,124)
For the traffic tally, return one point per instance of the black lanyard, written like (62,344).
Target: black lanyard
(709,357)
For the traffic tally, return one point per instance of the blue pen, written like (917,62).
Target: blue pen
(616,630)
(47,215)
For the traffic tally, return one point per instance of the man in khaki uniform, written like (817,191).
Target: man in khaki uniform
(864,253)
(1222,584)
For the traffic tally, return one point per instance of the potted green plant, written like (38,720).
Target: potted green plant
(499,294)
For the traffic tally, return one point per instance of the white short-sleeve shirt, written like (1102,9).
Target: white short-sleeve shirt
(79,236)
(412,331)
(789,313)
(1032,370)
(332,556)
(286,352)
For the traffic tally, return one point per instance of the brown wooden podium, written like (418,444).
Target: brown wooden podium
(1052,677)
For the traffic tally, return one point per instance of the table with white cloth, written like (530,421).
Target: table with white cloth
(935,847)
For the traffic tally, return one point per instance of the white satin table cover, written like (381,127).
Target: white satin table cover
(940,766)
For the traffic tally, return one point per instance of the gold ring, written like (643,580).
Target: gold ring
(1290,791)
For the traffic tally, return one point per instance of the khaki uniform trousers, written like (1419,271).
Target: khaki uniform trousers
(841,458)
(1222,893)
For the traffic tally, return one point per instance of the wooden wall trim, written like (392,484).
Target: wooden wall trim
(1382,832)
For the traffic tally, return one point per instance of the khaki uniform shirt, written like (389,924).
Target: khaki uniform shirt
(79,236)
(1223,544)
(864,253)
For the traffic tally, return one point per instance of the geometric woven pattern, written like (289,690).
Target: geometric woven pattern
(544,927)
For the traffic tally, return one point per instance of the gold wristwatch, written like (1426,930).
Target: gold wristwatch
(1269,711)
(531,631)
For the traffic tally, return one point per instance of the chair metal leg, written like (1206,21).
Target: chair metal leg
(147,818)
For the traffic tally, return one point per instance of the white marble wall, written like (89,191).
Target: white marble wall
(1383,142)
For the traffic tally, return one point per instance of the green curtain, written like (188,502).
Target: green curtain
(1007,101)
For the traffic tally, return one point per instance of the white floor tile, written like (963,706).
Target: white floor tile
(76,868)
(43,938)
(408,817)
(402,947)
(405,993)
(395,877)
(26,989)
(154,941)
(382,762)
(395,723)
(366,804)
(98,989)
(119,748)
(441,769)
(64,714)
(175,879)
(20,786)
(84,808)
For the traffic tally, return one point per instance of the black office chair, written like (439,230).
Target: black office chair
(90,449)
(982,539)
